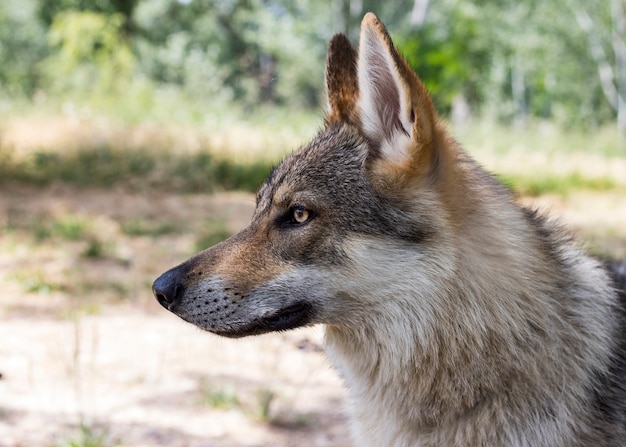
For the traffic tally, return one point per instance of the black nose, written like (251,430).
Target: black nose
(168,288)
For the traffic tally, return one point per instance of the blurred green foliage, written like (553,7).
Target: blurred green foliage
(90,52)
(22,48)
(558,59)
(448,57)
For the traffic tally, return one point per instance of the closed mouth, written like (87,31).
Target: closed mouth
(291,317)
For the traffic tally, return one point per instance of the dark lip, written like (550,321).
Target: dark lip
(291,317)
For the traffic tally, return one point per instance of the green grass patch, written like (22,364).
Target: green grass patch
(68,227)
(485,135)
(106,166)
(147,227)
(41,231)
(218,397)
(205,172)
(265,398)
(79,309)
(35,282)
(86,436)
(537,185)
(95,249)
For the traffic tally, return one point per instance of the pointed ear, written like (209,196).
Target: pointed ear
(394,107)
(341,80)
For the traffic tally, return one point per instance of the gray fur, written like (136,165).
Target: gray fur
(455,316)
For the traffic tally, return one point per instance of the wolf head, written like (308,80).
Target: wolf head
(339,216)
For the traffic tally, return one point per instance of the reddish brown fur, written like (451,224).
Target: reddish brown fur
(341,81)
(242,259)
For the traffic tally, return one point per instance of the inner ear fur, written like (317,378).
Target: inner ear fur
(395,109)
(341,80)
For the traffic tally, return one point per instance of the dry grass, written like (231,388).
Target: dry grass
(228,153)
(268,139)
(544,159)
(85,150)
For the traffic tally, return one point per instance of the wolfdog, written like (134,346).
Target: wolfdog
(455,316)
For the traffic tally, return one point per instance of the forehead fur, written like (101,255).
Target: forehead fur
(332,173)
(335,157)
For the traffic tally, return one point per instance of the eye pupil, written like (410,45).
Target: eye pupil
(300,215)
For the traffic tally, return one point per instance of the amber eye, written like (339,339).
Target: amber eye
(300,215)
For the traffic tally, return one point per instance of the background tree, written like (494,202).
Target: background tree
(89,52)
(22,46)
(562,60)
(604,24)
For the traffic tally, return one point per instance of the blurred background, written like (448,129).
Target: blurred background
(134,133)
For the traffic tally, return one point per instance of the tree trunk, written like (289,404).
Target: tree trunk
(612,77)
(345,17)
(618,11)
(518,91)
(419,13)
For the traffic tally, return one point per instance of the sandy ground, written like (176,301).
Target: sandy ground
(93,348)
(129,371)
(139,380)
